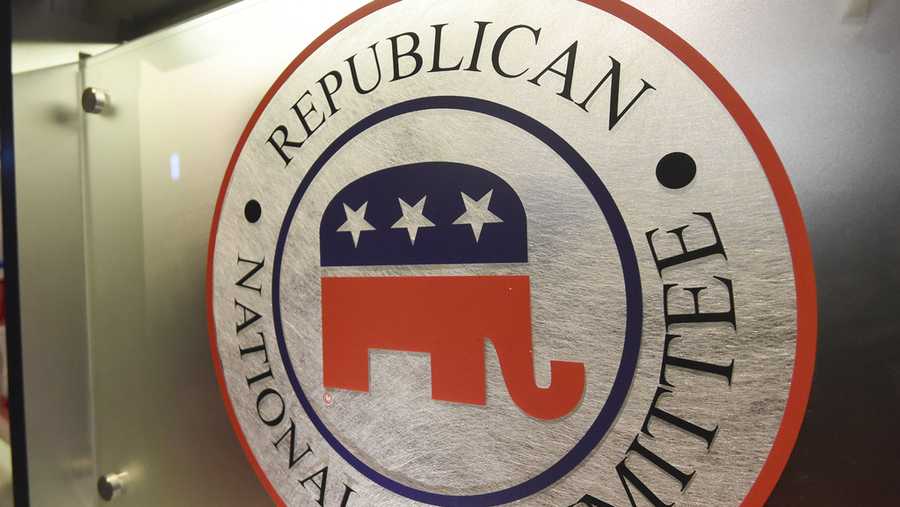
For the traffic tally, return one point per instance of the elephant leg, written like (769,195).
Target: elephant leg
(345,349)
(457,368)
(512,339)
(552,402)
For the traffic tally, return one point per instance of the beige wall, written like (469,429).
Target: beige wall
(27,56)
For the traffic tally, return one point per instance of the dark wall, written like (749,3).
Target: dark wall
(100,20)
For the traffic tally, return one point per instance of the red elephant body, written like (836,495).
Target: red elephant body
(449,318)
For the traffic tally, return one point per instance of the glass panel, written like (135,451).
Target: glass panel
(52,285)
(155,159)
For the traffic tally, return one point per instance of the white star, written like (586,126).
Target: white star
(413,218)
(477,213)
(356,222)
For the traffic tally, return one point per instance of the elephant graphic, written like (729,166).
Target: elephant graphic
(410,218)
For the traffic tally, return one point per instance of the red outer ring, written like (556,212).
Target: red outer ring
(804,278)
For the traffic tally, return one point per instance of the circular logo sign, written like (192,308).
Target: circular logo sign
(509,252)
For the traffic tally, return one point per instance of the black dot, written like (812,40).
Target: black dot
(252,211)
(676,170)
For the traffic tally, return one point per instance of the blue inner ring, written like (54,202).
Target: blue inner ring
(633,298)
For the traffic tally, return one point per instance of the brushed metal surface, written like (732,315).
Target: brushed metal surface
(823,83)
(578,313)
(418,443)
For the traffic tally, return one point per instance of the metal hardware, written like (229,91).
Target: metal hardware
(111,486)
(94,100)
